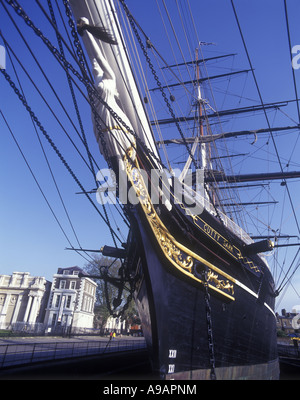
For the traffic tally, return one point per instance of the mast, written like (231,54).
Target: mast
(201,134)
(199,100)
(205,149)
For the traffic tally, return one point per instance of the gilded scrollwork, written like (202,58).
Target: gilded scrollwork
(172,251)
(179,256)
(219,283)
(246,261)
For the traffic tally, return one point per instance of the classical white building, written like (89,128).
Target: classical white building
(23,299)
(71,301)
(115,325)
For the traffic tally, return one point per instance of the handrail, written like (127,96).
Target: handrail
(15,354)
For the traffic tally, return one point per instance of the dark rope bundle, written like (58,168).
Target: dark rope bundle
(97,31)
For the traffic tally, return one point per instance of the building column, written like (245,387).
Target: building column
(17,308)
(61,308)
(4,310)
(34,309)
(32,314)
(27,308)
(38,307)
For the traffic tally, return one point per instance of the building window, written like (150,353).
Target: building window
(75,272)
(66,272)
(72,284)
(83,304)
(62,284)
(68,301)
(57,300)
(53,319)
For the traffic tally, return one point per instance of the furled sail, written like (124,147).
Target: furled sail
(129,107)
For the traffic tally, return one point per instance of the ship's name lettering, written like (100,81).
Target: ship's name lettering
(211,232)
(216,236)
(228,246)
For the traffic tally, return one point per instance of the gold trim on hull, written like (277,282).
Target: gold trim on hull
(232,250)
(180,256)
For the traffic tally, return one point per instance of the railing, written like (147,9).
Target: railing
(231,225)
(40,329)
(28,353)
(228,222)
(288,351)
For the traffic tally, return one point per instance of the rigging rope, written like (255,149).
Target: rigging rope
(84,80)
(84,71)
(38,185)
(46,159)
(48,138)
(47,80)
(293,71)
(133,24)
(135,27)
(72,93)
(269,127)
(61,59)
(56,96)
(290,48)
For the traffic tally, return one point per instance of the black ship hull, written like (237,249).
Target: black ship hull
(204,296)
(192,331)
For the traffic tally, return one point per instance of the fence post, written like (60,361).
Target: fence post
(55,350)
(32,353)
(4,355)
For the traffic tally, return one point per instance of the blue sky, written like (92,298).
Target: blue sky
(30,238)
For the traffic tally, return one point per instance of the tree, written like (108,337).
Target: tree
(110,299)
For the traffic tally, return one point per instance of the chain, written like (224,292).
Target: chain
(125,306)
(91,90)
(149,44)
(60,58)
(72,93)
(83,78)
(52,144)
(209,329)
(40,126)
(94,94)
(207,295)
(111,310)
(82,64)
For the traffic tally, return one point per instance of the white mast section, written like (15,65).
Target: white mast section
(102,13)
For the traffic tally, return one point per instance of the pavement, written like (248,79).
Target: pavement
(128,364)
(114,366)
